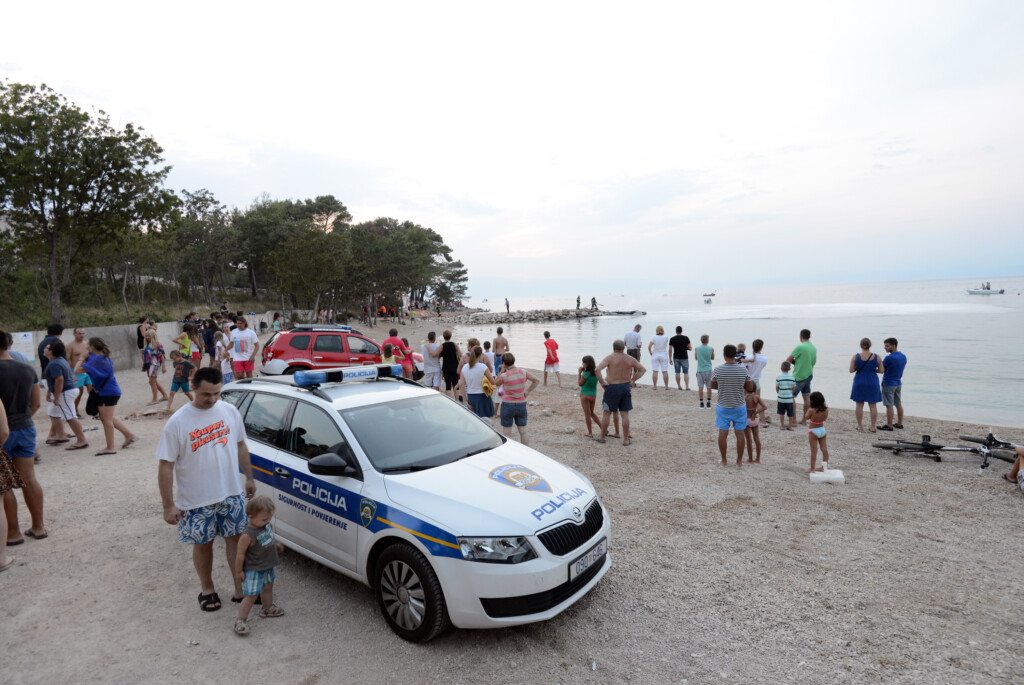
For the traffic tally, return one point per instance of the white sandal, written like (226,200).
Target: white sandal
(241,627)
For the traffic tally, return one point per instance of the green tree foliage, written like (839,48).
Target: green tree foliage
(200,237)
(70,182)
(87,229)
(392,257)
(315,268)
(269,224)
(450,284)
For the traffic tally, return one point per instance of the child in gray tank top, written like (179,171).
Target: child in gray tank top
(255,562)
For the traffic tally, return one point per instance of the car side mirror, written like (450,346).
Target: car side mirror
(334,464)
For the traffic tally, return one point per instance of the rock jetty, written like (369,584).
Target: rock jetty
(482,317)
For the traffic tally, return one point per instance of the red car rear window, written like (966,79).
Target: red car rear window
(299,342)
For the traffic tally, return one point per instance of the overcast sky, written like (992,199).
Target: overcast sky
(562,147)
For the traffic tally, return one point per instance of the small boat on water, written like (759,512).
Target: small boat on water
(711,294)
(983,291)
(635,312)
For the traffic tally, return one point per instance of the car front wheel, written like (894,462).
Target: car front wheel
(409,594)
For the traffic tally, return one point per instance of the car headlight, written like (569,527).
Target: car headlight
(500,550)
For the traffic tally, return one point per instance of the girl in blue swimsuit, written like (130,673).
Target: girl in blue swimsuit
(815,417)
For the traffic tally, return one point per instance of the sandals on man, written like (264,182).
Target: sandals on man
(207,602)
(885,428)
(1007,478)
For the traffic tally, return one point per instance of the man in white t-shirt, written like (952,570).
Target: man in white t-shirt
(244,345)
(202,450)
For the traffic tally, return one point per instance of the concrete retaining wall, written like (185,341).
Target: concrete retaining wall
(122,340)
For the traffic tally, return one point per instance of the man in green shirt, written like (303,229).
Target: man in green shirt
(803,358)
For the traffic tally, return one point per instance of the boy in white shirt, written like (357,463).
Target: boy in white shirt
(244,345)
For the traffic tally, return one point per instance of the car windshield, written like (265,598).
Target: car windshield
(418,433)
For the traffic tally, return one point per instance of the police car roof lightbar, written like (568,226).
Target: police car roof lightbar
(349,374)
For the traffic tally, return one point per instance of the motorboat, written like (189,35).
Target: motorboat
(984,291)
(635,312)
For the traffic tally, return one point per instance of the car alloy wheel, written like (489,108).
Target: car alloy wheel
(409,594)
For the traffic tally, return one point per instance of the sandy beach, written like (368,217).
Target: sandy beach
(907,573)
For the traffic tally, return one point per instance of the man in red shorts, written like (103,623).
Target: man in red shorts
(244,345)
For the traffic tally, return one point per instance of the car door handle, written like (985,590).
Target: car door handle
(282,472)
(317,357)
(353,359)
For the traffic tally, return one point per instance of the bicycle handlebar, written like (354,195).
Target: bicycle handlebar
(991,441)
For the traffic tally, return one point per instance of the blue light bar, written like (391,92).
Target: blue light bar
(350,374)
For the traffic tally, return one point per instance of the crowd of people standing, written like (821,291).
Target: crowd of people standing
(734,387)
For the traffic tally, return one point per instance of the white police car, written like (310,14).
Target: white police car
(409,492)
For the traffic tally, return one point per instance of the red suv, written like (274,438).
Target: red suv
(319,346)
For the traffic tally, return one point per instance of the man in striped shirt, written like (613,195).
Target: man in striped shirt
(730,380)
(513,405)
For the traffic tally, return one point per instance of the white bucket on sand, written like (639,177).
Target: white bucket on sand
(827,475)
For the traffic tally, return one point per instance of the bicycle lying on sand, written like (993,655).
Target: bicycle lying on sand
(990,446)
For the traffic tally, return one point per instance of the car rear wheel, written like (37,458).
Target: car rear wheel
(290,371)
(409,594)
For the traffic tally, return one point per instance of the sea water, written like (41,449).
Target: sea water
(962,357)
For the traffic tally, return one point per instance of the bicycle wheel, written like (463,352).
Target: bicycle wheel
(980,441)
(898,446)
(1005,455)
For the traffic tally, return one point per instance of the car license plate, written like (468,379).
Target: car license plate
(583,563)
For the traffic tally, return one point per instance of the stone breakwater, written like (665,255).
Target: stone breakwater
(482,317)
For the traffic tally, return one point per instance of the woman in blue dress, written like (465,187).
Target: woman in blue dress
(866,366)
(96,362)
